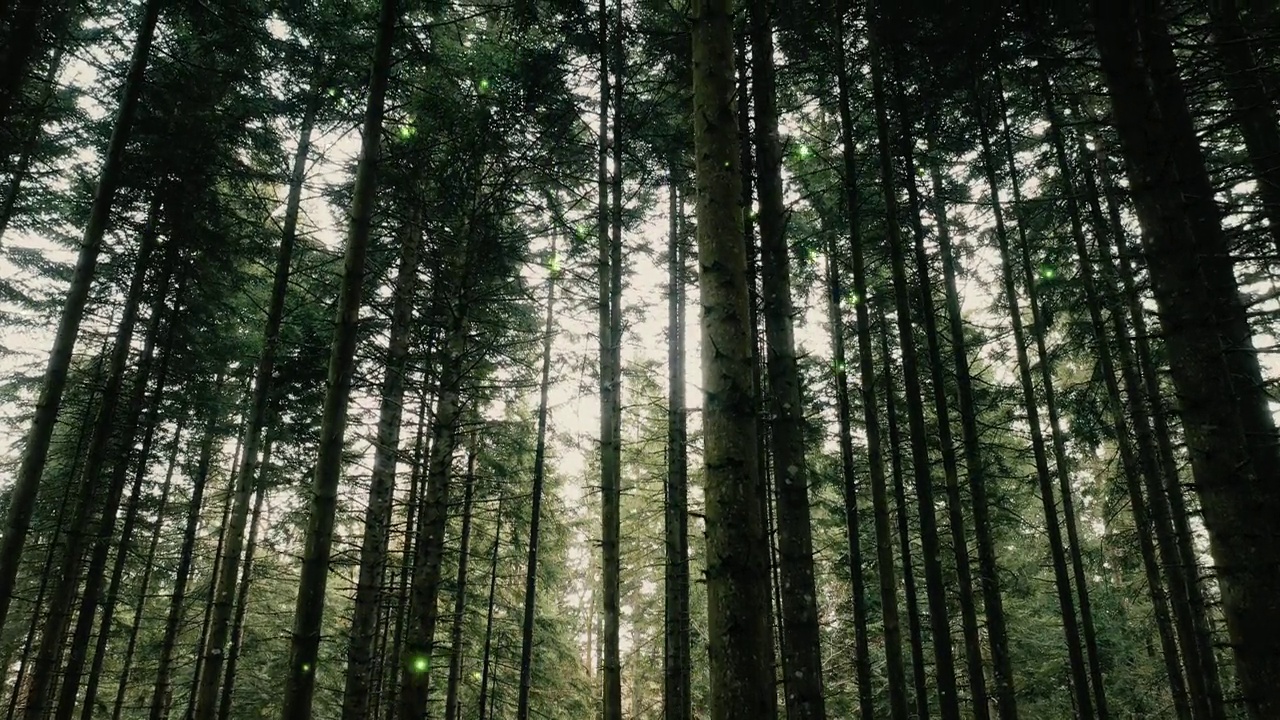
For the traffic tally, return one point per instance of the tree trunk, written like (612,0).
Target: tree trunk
(452,708)
(406,553)
(1229,431)
(801,653)
(610,228)
(1149,402)
(757,372)
(246,576)
(1138,465)
(539,478)
(871,413)
(26,23)
(945,675)
(1062,579)
(677,698)
(205,695)
(861,658)
(144,585)
(182,574)
(915,635)
(1061,466)
(36,451)
(131,508)
(487,657)
(309,613)
(737,586)
(373,551)
(424,614)
(975,468)
(32,143)
(96,509)
(54,551)
(950,468)
(210,597)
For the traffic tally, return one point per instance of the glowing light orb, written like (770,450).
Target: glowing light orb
(420,664)
(803,151)
(306,667)
(1047,272)
(407,131)
(484,85)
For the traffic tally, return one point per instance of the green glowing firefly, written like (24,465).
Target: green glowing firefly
(1047,273)
(475,676)
(854,299)
(839,367)
(333,92)
(419,664)
(803,151)
(484,85)
(407,131)
(306,667)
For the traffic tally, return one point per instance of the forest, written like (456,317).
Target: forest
(639,359)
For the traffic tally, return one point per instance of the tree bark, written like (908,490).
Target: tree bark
(373,550)
(53,552)
(902,511)
(31,143)
(205,695)
(950,466)
(539,480)
(737,585)
(677,698)
(975,467)
(1150,514)
(487,656)
(96,509)
(246,576)
(1061,466)
(610,228)
(309,612)
(1062,579)
(406,552)
(66,704)
(801,652)
(1229,431)
(144,585)
(452,707)
(1149,402)
(945,675)
(894,670)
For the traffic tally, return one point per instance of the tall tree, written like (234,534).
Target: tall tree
(535,506)
(737,578)
(315,563)
(801,653)
(677,697)
(36,451)
(1225,413)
